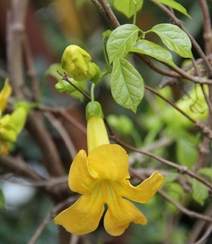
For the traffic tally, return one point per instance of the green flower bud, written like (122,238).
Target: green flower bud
(77,63)
(94,108)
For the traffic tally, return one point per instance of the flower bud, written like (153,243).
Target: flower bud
(77,63)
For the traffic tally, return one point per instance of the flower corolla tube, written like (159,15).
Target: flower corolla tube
(102,178)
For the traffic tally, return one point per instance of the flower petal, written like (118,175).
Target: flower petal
(4,95)
(143,192)
(110,161)
(84,216)
(81,179)
(120,214)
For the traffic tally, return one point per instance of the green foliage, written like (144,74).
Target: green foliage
(121,41)
(153,50)
(186,152)
(128,7)
(121,123)
(206,171)
(55,70)
(2,201)
(127,85)
(174,38)
(175,5)
(200,192)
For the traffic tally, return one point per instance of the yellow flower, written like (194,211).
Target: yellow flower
(102,177)
(4,95)
(11,125)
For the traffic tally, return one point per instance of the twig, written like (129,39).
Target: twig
(171,103)
(179,23)
(108,13)
(181,169)
(52,160)
(207,26)
(31,71)
(203,239)
(64,113)
(57,208)
(64,135)
(19,167)
(176,204)
(66,78)
(15,29)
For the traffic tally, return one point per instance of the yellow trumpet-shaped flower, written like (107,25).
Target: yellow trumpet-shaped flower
(102,178)
(11,125)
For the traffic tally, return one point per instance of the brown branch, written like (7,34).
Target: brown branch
(39,133)
(176,204)
(48,217)
(109,15)
(63,133)
(179,23)
(15,30)
(31,71)
(19,167)
(207,26)
(66,78)
(180,169)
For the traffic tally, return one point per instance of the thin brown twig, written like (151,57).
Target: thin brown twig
(19,167)
(207,26)
(179,23)
(63,133)
(48,217)
(176,204)
(179,168)
(31,70)
(66,78)
(204,238)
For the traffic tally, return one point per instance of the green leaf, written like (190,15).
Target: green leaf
(186,152)
(121,41)
(127,85)
(200,192)
(174,5)
(52,70)
(153,50)
(128,7)
(206,171)
(2,201)
(64,86)
(174,38)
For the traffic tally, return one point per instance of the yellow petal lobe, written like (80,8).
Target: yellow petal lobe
(81,179)
(110,161)
(84,216)
(4,95)
(144,191)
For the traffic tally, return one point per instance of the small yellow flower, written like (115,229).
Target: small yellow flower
(4,95)
(102,177)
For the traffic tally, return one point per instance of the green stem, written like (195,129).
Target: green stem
(135,15)
(92,91)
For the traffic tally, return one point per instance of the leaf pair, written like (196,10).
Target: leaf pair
(125,39)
